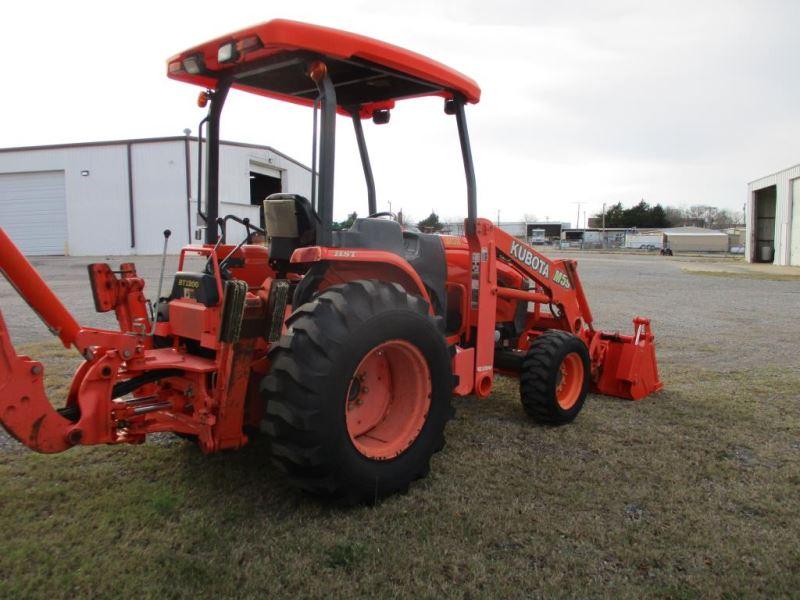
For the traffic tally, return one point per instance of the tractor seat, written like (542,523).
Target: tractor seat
(371,234)
(291,223)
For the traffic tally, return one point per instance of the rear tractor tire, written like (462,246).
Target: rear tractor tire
(554,379)
(359,393)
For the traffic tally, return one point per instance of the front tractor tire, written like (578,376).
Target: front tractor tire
(359,392)
(554,379)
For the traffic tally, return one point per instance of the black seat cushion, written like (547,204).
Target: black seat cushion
(373,234)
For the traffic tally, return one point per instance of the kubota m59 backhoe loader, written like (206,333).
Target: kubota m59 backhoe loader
(343,347)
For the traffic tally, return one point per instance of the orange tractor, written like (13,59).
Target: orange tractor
(343,347)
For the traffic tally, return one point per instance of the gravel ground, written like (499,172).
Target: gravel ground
(721,323)
(68,278)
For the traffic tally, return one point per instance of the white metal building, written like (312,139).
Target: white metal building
(117,197)
(772,221)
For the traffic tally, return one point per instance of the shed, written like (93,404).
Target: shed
(697,240)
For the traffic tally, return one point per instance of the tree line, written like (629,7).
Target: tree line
(430,223)
(643,215)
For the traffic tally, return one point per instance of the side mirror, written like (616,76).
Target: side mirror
(381,117)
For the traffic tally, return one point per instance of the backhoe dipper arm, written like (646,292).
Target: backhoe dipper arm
(25,411)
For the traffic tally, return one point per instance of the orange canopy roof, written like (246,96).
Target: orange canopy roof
(365,72)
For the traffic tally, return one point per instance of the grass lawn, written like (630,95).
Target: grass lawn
(690,493)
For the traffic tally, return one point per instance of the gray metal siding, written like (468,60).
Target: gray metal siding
(159,196)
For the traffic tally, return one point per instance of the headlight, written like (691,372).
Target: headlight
(194,65)
(227,53)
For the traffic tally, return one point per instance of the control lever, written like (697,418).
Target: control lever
(207,268)
(167,233)
(246,223)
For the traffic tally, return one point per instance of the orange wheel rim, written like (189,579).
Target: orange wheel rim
(388,400)
(569,380)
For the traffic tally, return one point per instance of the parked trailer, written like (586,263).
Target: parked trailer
(644,241)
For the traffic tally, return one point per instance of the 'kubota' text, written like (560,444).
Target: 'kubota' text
(527,257)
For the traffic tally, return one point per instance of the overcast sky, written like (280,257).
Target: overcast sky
(590,102)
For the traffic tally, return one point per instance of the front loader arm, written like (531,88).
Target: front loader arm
(621,365)
(557,280)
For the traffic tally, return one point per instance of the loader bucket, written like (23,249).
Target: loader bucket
(626,364)
(25,412)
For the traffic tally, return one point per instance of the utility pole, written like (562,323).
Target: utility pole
(604,225)
(578,218)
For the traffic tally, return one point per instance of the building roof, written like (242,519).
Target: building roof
(687,229)
(597,229)
(774,173)
(273,59)
(680,231)
(706,233)
(153,140)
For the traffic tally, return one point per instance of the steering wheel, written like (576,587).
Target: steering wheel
(382,214)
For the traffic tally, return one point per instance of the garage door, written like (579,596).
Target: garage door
(33,211)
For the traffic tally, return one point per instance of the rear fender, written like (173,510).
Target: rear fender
(349,264)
